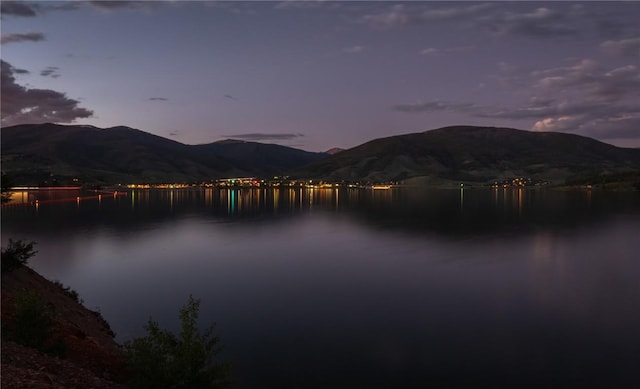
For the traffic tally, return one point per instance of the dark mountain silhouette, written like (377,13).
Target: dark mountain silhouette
(50,153)
(39,153)
(479,154)
(267,159)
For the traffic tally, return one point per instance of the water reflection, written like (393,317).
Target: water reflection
(364,288)
(449,212)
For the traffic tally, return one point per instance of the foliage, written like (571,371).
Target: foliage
(33,325)
(163,360)
(69,292)
(16,254)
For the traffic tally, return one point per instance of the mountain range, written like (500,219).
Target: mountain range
(38,153)
(50,153)
(477,154)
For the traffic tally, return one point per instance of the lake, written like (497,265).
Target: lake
(363,288)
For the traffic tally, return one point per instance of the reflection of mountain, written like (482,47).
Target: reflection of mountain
(44,152)
(465,153)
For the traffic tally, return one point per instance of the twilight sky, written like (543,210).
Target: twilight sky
(316,75)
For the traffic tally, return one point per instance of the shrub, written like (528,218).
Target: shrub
(163,360)
(69,292)
(16,254)
(33,325)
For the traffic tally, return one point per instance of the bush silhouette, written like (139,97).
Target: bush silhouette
(16,254)
(163,360)
(33,325)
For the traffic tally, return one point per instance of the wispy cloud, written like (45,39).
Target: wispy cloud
(50,71)
(433,52)
(113,5)
(308,4)
(353,49)
(257,136)
(158,99)
(419,13)
(624,47)
(541,22)
(434,106)
(26,37)
(529,20)
(33,9)
(584,98)
(22,105)
(19,71)
(18,8)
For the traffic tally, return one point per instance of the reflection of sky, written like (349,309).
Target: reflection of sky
(324,287)
(589,281)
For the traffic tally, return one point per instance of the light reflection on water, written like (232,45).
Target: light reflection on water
(353,288)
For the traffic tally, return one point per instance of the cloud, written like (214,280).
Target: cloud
(354,49)
(540,23)
(256,136)
(419,13)
(19,71)
(437,14)
(112,5)
(433,52)
(433,106)
(26,37)
(158,99)
(308,4)
(587,79)
(512,19)
(32,9)
(625,47)
(21,105)
(106,4)
(50,71)
(620,126)
(230,97)
(396,15)
(18,8)
(584,98)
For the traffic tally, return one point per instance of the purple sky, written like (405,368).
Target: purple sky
(316,75)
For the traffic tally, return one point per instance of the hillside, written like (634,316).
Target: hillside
(270,158)
(50,153)
(56,154)
(91,357)
(478,154)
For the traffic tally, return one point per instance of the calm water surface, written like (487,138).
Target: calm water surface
(361,288)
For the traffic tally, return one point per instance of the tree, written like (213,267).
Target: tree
(16,254)
(163,360)
(33,325)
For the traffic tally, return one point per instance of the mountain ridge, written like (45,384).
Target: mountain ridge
(471,153)
(40,153)
(52,153)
